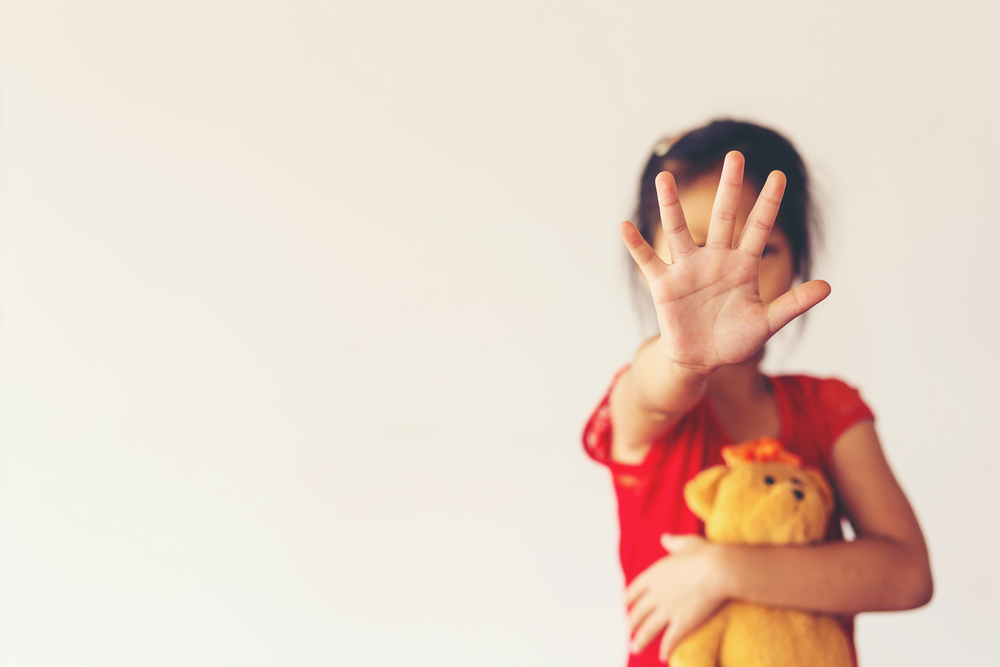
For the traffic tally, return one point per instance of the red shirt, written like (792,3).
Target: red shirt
(813,413)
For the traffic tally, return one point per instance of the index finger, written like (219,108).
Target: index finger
(761,219)
(635,590)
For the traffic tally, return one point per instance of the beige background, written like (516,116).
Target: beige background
(303,306)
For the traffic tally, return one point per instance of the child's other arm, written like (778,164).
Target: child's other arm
(885,569)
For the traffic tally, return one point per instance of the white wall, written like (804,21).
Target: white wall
(303,305)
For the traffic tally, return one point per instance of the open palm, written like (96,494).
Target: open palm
(707,300)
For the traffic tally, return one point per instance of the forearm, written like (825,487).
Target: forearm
(868,574)
(660,386)
(651,396)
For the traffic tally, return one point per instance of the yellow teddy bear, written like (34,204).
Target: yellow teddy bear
(762,496)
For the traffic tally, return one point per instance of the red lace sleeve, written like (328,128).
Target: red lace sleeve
(843,407)
(597,433)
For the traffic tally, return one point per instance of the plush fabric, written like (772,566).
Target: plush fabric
(762,497)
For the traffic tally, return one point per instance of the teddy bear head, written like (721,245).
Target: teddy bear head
(761,499)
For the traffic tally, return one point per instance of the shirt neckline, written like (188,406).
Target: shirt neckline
(784,426)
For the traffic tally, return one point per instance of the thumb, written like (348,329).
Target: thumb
(791,304)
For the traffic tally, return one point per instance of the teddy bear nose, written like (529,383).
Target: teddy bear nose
(798,494)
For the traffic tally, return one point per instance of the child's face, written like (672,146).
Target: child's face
(777,271)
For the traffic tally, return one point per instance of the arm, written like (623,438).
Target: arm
(648,399)
(885,568)
(708,308)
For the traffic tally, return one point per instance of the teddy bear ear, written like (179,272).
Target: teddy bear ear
(700,491)
(817,479)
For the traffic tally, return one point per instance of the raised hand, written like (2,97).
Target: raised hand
(707,299)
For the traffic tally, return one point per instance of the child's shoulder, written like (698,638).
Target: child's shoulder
(828,399)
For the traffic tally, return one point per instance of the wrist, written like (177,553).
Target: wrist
(727,580)
(658,386)
(687,374)
(683,372)
(690,374)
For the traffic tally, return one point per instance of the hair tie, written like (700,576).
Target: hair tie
(663,146)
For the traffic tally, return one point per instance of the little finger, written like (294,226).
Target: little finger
(651,626)
(645,257)
(673,635)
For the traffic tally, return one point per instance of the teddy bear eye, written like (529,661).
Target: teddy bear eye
(796,480)
(769,480)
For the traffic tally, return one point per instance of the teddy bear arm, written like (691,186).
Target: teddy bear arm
(701,647)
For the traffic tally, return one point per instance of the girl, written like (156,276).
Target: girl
(720,259)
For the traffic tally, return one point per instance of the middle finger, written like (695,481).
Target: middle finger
(727,203)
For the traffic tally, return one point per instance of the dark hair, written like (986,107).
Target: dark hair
(702,151)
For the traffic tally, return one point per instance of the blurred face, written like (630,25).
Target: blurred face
(777,271)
